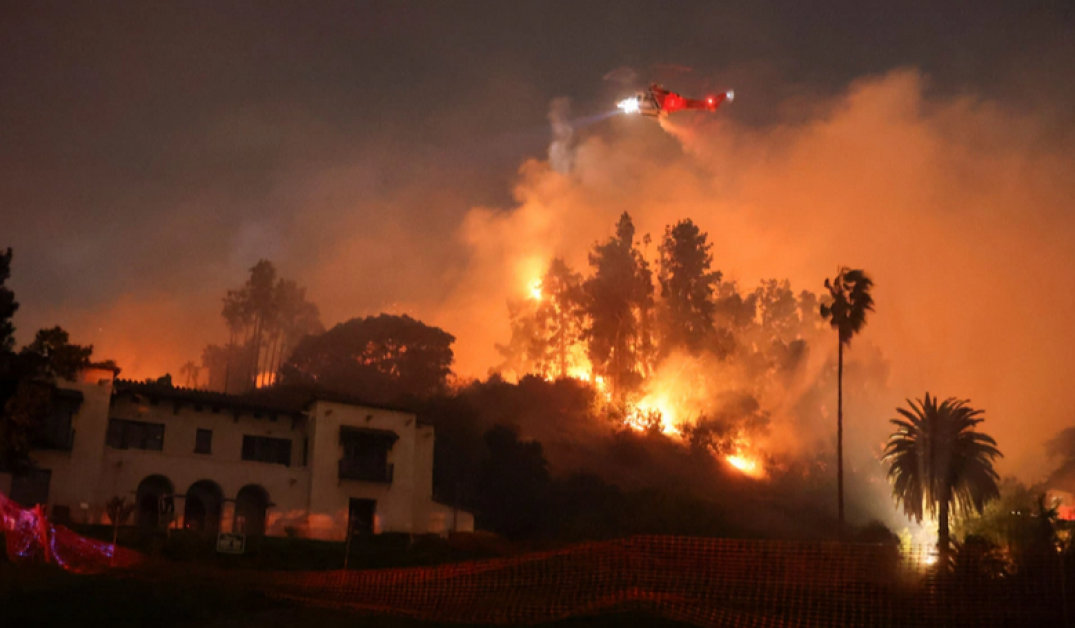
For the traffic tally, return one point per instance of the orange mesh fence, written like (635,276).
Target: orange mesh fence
(704,582)
(30,537)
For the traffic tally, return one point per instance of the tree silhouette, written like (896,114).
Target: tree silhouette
(378,358)
(26,387)
(523,353)
(266,317)
(778,316)
(8,305)
(937,462)
(687,287)
(22,413)
(851,300)
(53,355)
(560,317)
(547,326)
(513,485)
(618,298)
(190,373)
(260,301)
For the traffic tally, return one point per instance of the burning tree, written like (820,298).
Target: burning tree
(547,326)
(687,288)
(618,301)
(559,317)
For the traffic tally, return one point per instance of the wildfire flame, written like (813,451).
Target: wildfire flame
(667,406)
(749,466)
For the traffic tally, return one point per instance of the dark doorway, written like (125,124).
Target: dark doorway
(201,513)
(155,505)
(251,502)
(360,513)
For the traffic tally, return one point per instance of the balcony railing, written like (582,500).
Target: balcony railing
(365,471)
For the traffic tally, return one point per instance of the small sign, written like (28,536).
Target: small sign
(227,543)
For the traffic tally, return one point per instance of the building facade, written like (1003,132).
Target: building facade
(214,462)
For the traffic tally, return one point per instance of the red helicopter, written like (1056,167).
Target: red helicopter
(658,101)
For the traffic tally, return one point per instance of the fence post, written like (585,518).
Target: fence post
(347,544)
(1064,591)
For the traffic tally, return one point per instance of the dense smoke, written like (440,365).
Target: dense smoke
(958,206)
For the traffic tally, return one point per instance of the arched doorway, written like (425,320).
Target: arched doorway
(201,512)
(154,498)
(250,505)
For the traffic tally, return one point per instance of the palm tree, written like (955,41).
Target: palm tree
(851,300)
(938,461)
(190,371)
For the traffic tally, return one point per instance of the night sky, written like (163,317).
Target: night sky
(152,152)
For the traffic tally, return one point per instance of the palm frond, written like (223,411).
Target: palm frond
(936,454)
(851,300)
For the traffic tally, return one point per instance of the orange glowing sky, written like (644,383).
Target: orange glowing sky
(148,171)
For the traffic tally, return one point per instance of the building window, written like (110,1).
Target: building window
(365,454)
(124,434)
(54,430)
(203,442)
(265,449)
(30,488)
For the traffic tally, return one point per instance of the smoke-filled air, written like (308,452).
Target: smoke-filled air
(520,313)
(672,275)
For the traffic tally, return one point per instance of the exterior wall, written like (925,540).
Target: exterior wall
(423,475)
(286,486)
(330,496)
(76,473)
(309,497)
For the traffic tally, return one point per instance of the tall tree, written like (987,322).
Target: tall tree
(617,299)
(190,372)
(560,317)
(938,461)
(260,301)
(851,300)
(547,326)
(523,352)
(26,388)
(378,358)
(687,287)
(778,316)
(265,317)
(295,317)
(54,356)
(8,305)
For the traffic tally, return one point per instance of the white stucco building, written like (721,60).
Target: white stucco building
(217,462)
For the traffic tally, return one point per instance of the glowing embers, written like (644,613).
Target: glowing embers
(655,411)
(535,290)
(746,465)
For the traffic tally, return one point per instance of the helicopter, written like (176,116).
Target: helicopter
(658,101)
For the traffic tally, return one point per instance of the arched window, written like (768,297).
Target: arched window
(155,505)
(201,513)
